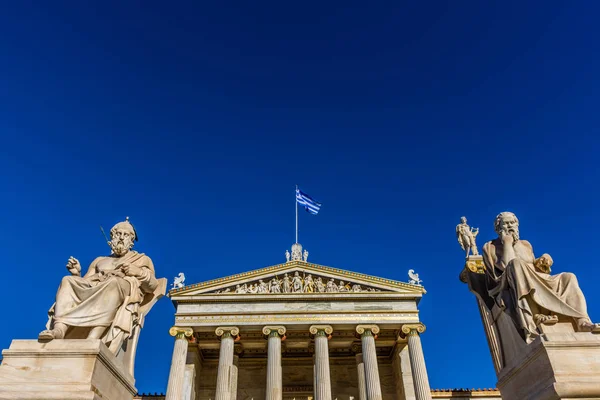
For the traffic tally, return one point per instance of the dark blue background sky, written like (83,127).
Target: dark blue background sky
(197,120)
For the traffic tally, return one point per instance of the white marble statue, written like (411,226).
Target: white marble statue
(262,287)
(296,252)
(297,284)
(275,285)
(342,287)
(466,237)
(413,278)
(110,300)
(522,284)
(309,284)
(331,286)
(319,285)
(286,285)
(287,256)
(178,281)
(305,255)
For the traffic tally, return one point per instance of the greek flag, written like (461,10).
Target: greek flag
(310,205)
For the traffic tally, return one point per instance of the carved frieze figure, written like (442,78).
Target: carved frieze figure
(109,301)
(320,286)
(342,287)
(522,284)
(241,289)
(253,289)
(297,284)
(286,284)
(262,287)
(309,284)
(466,237)
(275,286)
(356,288)
(331,286)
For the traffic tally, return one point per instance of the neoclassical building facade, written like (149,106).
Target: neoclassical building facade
(300,331)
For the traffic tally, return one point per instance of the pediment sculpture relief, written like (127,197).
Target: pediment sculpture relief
(297,282)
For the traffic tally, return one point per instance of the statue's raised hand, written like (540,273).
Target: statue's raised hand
(507,238)
(73,266)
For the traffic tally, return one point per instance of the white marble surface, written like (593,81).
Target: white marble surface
(63,369)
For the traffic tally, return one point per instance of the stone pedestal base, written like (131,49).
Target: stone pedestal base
(556,366)
(81,369)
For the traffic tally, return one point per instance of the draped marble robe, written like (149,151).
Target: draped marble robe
(104,297)
(525,291)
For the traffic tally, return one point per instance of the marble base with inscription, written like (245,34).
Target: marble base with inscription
(74,369)
(555,366)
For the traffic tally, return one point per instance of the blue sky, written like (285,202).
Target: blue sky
(197,120)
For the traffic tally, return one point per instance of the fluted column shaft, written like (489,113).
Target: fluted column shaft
(224,370)
(369,353)
(417,361)
(360,368)
(274,373)
(234,377)
(322,385)
(177,372)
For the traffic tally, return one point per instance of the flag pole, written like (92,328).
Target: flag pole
(296,201)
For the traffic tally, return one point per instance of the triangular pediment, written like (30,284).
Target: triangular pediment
(296,278)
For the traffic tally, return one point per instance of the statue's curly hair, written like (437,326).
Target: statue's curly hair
(499,218)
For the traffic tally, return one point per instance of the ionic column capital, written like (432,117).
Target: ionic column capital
(180,332)
(413,329)
(321,330)
(273,330)
(228,331)
(368,330)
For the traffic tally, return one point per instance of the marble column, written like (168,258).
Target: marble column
(417,360)
(360,368)
(322,384)
(224,370)
(177,373)
(367,337)
(234,377)
(274,373)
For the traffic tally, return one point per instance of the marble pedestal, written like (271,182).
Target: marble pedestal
(80,369)
(555,366)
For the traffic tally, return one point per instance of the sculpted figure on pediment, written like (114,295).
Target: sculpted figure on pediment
(262,287)
(297,284)
(309,284)
(241,289)
(319,285)
(332,287)
(286,285)
(275,286)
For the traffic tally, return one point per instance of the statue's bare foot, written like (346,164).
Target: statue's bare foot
(588,326)
(545,319)
(46,335)
(51,334)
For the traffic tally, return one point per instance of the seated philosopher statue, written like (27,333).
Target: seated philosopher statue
(110,300)
(522,285)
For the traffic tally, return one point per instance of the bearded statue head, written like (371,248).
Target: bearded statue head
(122,238)
(507,223)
